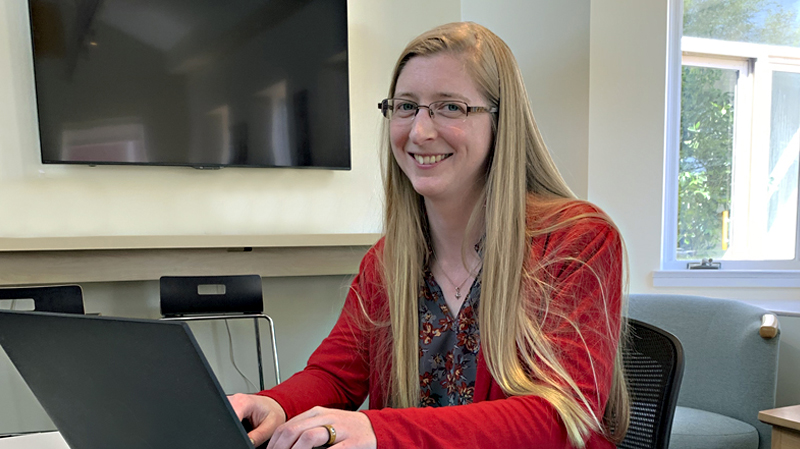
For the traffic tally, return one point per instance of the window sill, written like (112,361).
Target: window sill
(726,278)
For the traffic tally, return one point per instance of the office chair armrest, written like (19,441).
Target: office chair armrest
(769,326)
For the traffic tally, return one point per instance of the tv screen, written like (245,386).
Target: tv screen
(201,83)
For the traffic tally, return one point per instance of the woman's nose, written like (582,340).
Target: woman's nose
(422,128)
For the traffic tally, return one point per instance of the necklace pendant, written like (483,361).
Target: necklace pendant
(458,293)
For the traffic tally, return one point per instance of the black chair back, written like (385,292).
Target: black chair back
(197,295)
(206,298)
(56,298)
(653,360)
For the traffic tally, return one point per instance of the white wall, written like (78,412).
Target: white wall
(550,40)
(76,200)
(626,123)
(626,154)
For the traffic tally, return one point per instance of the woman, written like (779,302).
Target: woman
(525,357)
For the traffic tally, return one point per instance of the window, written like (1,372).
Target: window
(732,161)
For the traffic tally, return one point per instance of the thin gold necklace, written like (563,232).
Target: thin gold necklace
(458,288)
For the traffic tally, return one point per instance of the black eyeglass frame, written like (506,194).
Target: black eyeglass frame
(384,107)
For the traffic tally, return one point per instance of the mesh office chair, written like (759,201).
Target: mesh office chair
(653,360)
(205,298)
(56,298)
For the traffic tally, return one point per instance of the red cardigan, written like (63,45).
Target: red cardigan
(347,365)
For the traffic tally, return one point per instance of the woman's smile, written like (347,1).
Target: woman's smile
(429,160)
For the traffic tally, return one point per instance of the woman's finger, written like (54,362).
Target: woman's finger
(309,430)
(264,415)
(311,438)
(241,405)
(301,431)
(263,431)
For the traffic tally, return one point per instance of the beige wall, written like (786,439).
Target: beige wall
(550,40)
(626,123)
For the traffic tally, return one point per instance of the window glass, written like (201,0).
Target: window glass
(772,22)
(706,155)
(738,156)
(780,219)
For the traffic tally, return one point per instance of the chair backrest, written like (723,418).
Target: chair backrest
(196,298)
(56,298)
(653,360)
(730,368)
(197,295)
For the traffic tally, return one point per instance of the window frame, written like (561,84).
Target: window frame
(758,61)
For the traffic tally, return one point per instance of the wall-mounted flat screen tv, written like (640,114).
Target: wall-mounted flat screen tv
(200,83)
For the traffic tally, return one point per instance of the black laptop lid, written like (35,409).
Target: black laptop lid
(121,383)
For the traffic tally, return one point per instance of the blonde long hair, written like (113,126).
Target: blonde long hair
(520,169)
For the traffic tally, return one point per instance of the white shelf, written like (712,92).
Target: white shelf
(113,259)
(183,241)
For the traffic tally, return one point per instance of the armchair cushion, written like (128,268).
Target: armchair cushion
(717,336)
(699,429)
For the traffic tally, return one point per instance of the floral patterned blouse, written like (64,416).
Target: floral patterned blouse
(448,346)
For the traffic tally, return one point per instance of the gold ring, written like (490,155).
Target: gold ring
(331,434)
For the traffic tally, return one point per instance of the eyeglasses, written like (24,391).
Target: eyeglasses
(399,109)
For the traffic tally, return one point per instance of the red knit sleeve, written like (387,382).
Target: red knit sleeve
(337,373)
(583,263)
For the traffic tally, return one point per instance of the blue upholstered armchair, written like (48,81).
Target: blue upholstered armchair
(730,370)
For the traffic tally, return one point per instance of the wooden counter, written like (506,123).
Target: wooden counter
(785,423)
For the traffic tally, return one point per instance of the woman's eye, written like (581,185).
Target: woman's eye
(406,107)
(452,109)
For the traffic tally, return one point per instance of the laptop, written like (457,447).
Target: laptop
(121,383)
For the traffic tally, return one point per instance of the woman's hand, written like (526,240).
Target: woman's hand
(264,414)
(305,431)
